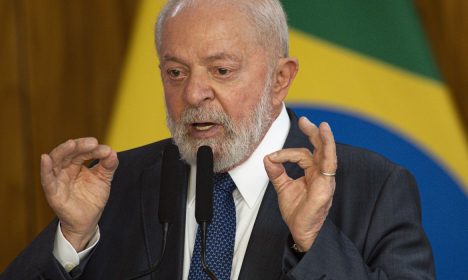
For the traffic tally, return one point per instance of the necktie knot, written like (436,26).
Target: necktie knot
(224,182)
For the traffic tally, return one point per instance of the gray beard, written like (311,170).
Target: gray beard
(238,142)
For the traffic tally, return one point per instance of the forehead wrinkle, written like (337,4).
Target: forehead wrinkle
(222,56)
(208,59)
(169,58)
(209,41)
(205,61)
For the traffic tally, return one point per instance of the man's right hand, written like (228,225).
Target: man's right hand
(76,193)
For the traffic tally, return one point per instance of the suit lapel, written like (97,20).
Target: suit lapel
(264,251)
(264,255)
(171,266)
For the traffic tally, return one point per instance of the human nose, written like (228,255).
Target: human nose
(198,89)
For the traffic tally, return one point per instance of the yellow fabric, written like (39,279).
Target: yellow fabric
(139,114)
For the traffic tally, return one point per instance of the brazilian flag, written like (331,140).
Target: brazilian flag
(365,67)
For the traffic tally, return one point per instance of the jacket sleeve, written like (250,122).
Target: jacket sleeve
(396,245)
(37,260)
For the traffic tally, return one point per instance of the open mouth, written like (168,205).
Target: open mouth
(203,126)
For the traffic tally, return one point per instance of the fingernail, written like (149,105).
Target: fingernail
(307,119)
(273,155)
(327,125)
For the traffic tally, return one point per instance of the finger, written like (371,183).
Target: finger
(109,164)
(300,156)
(64,153)
(99,152)
(58,154)
(328,161)
(47,175)
(311,130)
(82,146)
(276,173)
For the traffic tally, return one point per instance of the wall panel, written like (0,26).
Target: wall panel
(75,55)
(15,201)
(61,86)
(446,24)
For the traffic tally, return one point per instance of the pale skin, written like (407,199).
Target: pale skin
(304,203)
(205,62)
(76,193)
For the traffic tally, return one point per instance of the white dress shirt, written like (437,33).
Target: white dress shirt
(251,180)
(66,254)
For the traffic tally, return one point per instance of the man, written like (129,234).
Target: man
(330,212)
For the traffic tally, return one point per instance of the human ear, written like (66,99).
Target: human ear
(285,73)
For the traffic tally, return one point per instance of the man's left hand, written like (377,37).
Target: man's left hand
(304,203)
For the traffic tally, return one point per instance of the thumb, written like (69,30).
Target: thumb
(108,165)
(275,172)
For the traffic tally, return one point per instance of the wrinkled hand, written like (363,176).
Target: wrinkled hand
(78,194)
(304,203)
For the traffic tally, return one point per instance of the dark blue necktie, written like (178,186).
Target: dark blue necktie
(221,233)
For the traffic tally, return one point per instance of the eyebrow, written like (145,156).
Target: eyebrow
(172,58)
(211,58)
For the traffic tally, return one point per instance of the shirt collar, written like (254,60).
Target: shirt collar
(250,177)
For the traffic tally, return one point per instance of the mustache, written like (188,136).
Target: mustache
(205,115)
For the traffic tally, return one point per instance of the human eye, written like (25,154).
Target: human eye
(175,74)
(222,72)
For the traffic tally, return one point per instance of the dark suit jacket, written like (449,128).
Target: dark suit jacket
(373,230)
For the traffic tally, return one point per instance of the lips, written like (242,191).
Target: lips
(204,129)
(203,126)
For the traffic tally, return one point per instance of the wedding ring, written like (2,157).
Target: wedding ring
(328,174)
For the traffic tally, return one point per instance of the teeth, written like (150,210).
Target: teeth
(203,127)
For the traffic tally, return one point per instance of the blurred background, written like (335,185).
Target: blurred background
(391,76)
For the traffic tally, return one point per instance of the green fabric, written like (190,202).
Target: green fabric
(388,30)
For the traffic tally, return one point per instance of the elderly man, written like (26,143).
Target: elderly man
(301,207)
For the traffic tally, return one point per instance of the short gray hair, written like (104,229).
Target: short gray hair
(267,16)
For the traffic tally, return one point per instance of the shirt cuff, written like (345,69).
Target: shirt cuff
(66,255)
